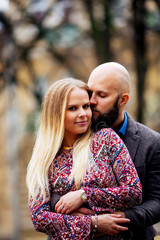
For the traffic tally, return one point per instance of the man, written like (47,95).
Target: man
(110,83)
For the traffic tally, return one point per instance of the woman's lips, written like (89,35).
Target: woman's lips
(81,123)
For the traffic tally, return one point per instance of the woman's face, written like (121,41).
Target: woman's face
(78,113)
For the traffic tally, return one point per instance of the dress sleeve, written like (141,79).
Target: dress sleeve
(127,190)
(58,226)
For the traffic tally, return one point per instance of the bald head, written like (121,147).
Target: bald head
(110,83)
(114,72)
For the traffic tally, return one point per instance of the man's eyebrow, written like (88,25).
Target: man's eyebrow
(102,91)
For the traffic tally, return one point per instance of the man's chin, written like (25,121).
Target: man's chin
(95,114)
(105,120)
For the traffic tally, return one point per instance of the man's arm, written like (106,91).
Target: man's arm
(148,213)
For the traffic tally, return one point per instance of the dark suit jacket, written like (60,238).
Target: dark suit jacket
(144,147)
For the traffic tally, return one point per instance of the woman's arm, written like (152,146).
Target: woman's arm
(61,226)
(58,226)
(124,188)
(127,191)
(121,191)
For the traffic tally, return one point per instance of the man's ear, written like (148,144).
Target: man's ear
(123,99)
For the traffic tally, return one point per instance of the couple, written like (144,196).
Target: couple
(95,168)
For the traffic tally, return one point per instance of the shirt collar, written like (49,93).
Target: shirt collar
(123,129)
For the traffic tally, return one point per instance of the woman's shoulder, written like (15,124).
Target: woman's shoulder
(105,138)
(101,137)
(103,134)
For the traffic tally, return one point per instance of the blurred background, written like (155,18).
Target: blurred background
(42,41)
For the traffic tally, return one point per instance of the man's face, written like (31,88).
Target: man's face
(105,95)
(105,120)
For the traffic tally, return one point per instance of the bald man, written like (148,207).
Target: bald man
(110,83)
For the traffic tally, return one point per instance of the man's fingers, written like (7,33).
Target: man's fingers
(77,214)
(115,215)
(82,211)
(121,228)
(85,211)
(122,220)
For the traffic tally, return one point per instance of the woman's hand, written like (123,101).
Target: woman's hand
(69,202)
(110,224)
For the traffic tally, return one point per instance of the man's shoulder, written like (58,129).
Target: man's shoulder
(140,129)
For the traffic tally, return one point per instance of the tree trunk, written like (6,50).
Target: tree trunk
(140,53)
(101,30)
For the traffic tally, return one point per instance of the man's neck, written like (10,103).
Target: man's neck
(119,121)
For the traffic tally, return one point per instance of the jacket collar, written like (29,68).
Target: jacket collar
(132,139)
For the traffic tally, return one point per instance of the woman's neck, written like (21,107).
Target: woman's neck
(69,141)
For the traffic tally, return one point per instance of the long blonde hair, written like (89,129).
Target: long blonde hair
(50,136)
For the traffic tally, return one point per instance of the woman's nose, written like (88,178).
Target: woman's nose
(82,112)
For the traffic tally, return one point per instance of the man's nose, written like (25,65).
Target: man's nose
(93,100)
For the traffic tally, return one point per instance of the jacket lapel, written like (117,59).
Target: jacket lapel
(132,140)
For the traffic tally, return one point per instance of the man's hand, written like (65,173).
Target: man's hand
(122,214)
(82,211)
(110,224)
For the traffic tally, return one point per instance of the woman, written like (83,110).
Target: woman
(70,160)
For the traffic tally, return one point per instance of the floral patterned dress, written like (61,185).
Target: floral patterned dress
(110,183)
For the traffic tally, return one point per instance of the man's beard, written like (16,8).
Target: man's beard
(106,120)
